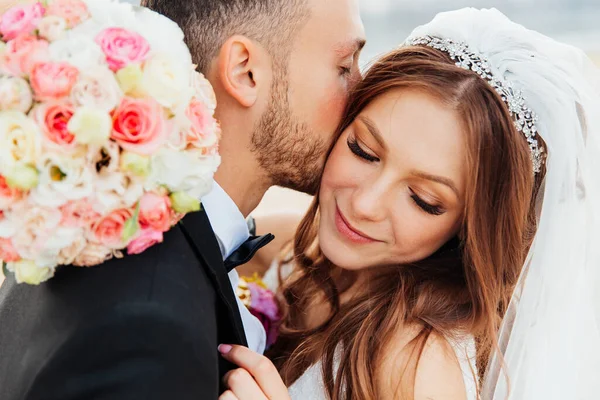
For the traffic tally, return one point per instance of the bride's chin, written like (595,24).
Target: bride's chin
(339,255)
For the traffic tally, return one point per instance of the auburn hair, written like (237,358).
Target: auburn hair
(464,287)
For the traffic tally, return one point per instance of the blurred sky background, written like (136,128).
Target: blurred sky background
(388,22)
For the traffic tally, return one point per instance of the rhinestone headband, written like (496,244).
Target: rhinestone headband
(524,118)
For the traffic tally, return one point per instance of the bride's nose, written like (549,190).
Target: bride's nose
(369,201)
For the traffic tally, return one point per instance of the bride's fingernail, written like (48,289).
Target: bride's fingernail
(224,348)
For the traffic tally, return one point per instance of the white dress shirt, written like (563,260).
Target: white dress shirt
(231,231)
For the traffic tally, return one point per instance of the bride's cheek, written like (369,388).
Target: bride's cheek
(343,169)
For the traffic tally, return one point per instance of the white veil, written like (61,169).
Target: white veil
(550,337)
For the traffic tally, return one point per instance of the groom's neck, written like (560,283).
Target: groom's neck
(240,177)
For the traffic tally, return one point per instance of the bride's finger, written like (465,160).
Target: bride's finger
(261,368)
(243,386)
(228,395)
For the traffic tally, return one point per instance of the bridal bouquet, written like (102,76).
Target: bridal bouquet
(107,134)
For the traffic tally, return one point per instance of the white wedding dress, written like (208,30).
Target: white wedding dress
(310,385)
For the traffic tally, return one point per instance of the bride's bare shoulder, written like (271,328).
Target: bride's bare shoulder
(437,375)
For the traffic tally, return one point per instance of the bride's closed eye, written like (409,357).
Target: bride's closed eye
(425,206)
(359,152)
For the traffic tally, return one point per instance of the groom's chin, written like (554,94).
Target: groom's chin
(308,180)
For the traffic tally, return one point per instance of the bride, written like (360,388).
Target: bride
(451,252)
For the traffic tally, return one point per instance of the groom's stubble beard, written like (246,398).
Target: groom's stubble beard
(288,150)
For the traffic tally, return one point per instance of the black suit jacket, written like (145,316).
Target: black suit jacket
(140,327)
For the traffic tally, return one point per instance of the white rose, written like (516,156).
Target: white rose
(52,27)
(29,272)
(38,236)
(15,94)
(166,80)
(97,88)
(108,13)
(8,227)
(20,140)
(203,90)
(116,190)
(62,179)
(68,254)
(79,51)
(187,171)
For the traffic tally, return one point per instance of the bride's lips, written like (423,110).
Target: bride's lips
(349,232)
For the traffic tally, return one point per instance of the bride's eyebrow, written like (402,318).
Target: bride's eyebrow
(373,130)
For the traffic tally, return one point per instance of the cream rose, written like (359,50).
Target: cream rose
(97,88)
(15,94)
(20,140)
(92,254)
(167,81)
(68,254)
(40,237)
(90,126)
(52,28)
(79,51)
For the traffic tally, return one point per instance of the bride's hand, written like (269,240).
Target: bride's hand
(257,379)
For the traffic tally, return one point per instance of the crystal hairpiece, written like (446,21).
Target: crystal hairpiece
(524,118)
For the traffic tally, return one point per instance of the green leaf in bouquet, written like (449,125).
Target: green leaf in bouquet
(183,203)
(5,270)
(132,225)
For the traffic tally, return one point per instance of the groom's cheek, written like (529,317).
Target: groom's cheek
(328,106)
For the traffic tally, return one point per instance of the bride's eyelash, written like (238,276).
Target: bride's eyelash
(428,208)
(358,151)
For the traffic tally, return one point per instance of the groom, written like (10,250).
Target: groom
(148,326)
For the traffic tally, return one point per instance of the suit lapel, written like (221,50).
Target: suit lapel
(198,231)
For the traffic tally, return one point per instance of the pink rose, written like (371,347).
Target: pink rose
(73,11)
(139,126)
(145,239)
(203,132)
(109,230)
(8,253)
(8,195)
(20,20)
(23,53)
(155,212)
(122,47)
(52,80)
(53,117)
(78,214)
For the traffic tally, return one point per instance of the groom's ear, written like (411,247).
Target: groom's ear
(240,68)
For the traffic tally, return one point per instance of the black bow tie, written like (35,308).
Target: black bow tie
(247,250)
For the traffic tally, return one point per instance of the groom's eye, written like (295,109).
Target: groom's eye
(345,71)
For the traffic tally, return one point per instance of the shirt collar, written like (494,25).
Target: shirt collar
(226,219)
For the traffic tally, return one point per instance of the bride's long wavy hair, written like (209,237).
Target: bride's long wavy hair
(464,287)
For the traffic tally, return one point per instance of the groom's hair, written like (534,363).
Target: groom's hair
(207,24)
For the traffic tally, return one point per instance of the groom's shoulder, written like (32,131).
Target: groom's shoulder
(159,304)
